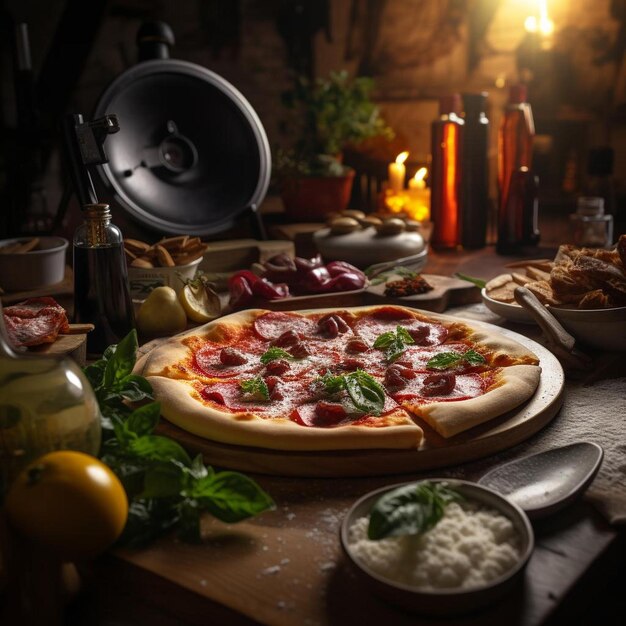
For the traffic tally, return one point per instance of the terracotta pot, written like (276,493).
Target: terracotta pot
(313,198)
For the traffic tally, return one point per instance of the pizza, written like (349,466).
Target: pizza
(355,378)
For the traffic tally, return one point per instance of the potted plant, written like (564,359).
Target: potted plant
(326,116)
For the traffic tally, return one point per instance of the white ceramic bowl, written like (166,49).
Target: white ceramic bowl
(443,601)
(38,268)
(512,312)
(366,247)
(142,281)
(604,329)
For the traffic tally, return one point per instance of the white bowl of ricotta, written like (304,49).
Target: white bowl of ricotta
(475,553)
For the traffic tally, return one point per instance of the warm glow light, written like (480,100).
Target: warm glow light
(421,173)
(542,24)
(500,81)
(402,157)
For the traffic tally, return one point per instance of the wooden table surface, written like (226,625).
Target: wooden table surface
(285,567)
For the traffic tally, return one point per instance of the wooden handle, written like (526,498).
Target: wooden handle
(547,322)
(79,329)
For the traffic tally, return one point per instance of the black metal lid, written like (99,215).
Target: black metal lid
(191,154)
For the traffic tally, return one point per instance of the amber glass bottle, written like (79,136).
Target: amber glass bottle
(447,145)
(515,142)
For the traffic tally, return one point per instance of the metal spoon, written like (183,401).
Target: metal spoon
(543,483)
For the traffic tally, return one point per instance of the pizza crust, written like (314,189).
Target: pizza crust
(180,406)
(514,386)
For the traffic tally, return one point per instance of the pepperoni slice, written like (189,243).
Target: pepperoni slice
(272,325)
(209,360)
(466,386)
(284,397)
(423,333)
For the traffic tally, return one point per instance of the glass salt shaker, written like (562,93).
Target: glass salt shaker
(590,226)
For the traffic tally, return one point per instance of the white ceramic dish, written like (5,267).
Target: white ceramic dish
(604,329)
(142,281)
(443,601)
(512,312)
(366,247)
(38,268)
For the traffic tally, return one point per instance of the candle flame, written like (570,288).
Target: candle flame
(542,24)
(402,157)
(420,174)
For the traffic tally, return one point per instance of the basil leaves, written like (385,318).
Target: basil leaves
(166,488)
(275,353)
(410,510)
(366,393)
(394,343)
(256,388)
(444,360)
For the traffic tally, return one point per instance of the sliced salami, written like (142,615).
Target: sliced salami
(210,360)
(423,333)
(35,321)
(272,325)
(417,390)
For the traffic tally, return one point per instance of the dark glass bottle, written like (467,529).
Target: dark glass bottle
(475,168)
(515,141)
(101,295)
(447,139)
(518,223)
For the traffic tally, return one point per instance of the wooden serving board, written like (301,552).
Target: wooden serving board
(434,451)
(446,292)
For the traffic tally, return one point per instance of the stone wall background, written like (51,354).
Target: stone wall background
(577,101)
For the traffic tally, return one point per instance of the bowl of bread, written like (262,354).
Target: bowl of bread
(584,288)
(32,262)
(169,262)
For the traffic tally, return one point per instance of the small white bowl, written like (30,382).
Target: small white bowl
(142,281)
(443,601)
(604,329)
(38,268)
(510,311)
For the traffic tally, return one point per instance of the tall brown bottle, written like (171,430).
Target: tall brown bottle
(515,146)
(447,145)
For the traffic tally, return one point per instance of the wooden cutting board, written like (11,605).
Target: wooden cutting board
(73,345)
(434,451)
(446,292)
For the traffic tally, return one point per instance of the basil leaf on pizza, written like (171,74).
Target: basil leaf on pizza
(365,392)
(444,360)
(255,388)
(274,354)
(474,358)
(394,343)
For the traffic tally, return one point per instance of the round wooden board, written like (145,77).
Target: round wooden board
(434,451)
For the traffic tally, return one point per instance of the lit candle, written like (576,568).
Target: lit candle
(417,182)
(397,172)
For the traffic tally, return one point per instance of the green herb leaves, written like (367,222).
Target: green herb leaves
(275,353)
(255,389)
(410,510)
(366,393)
(394,343)
(479,282)
(165,487)
(444,360)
